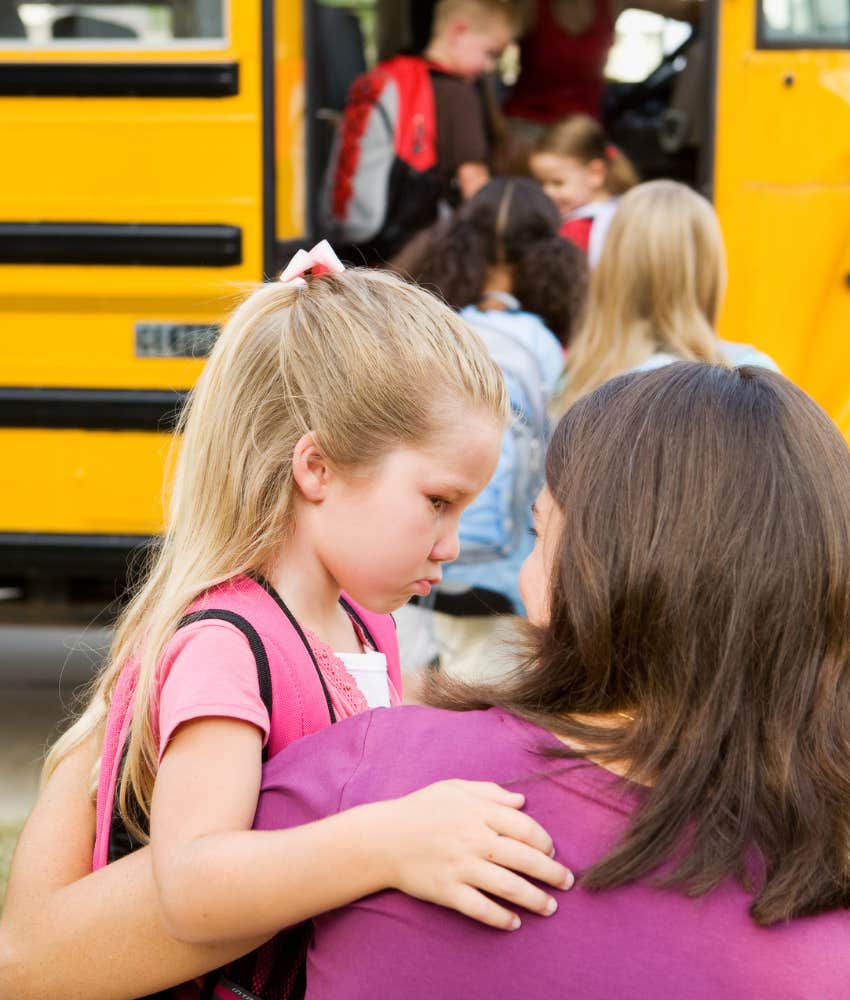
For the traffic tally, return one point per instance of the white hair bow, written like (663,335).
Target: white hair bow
(320,260)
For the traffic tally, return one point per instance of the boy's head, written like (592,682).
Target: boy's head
(468,36)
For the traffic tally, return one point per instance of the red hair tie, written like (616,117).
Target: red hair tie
(611,151)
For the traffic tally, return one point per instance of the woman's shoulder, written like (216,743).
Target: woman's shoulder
(736,354)
(746,354)
(414,745)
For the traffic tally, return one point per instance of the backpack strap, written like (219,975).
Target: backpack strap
(380,630)
(269,589)
(261,659)
(121,841)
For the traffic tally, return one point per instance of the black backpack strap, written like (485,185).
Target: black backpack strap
(261,659)
(349,610)
(121,841)
(275,596)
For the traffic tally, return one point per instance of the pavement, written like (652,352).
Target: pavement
(40,668)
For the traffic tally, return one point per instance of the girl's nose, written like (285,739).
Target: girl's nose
(447,547)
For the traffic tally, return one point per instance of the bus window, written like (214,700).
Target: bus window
(135,24)
(804,24)
(641,40)
(657,98)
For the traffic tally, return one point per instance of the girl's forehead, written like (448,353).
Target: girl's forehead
(458,455)
(554,162)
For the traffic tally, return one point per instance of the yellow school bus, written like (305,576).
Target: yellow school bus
(782,186)
(153,167)
(159,155)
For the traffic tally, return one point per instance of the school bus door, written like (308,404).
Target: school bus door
(138,197)
(782,186)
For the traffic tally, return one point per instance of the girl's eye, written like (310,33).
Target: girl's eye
(533,532)
(438,502)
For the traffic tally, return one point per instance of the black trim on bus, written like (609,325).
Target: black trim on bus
(142,244)
(267,49)
(119,79)
(24,552)
(311,122)
(90,409)
(705,169)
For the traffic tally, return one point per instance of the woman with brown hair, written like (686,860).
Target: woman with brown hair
(680,725)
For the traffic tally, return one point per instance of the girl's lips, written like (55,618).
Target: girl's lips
(423,587)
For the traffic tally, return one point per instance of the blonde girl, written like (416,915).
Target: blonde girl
(656,294)
(340,427)
(585,175)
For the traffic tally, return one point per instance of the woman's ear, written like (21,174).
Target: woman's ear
(310,469)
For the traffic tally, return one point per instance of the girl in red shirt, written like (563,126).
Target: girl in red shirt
(584,174)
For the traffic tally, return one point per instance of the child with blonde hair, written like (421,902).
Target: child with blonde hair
(656,294)
(585,175)
(343,422)
(414,137)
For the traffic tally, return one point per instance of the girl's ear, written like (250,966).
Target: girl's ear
(310,469)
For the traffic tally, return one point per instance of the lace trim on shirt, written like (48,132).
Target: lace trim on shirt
(336,674)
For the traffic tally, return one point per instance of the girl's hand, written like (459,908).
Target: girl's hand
(455,840)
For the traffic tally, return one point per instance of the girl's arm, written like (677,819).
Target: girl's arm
(69,934)
(218,879)
(72,934)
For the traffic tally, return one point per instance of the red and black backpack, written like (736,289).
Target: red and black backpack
(382,183)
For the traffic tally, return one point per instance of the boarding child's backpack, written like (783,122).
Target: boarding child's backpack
(297,699)
(382,183)
(519,475)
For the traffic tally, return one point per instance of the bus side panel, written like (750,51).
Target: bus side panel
(186,163)
(84,482)
(134,162)
(781,168)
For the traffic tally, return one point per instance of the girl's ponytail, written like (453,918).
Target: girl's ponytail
(454,264)
(622,175)
(550,279)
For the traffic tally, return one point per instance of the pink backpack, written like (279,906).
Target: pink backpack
(290,681)
(298,702)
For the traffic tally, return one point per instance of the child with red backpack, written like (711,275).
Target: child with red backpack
(343,422)
(414,133)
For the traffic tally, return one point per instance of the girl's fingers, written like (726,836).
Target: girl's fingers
(527,861)
(520,826)
(500,882)
(493,793)
(474,904)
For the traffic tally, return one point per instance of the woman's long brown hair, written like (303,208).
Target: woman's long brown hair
(702,589)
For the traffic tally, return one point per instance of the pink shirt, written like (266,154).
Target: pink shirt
(208,670)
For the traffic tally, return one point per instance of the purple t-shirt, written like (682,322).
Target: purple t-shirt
(639,942)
